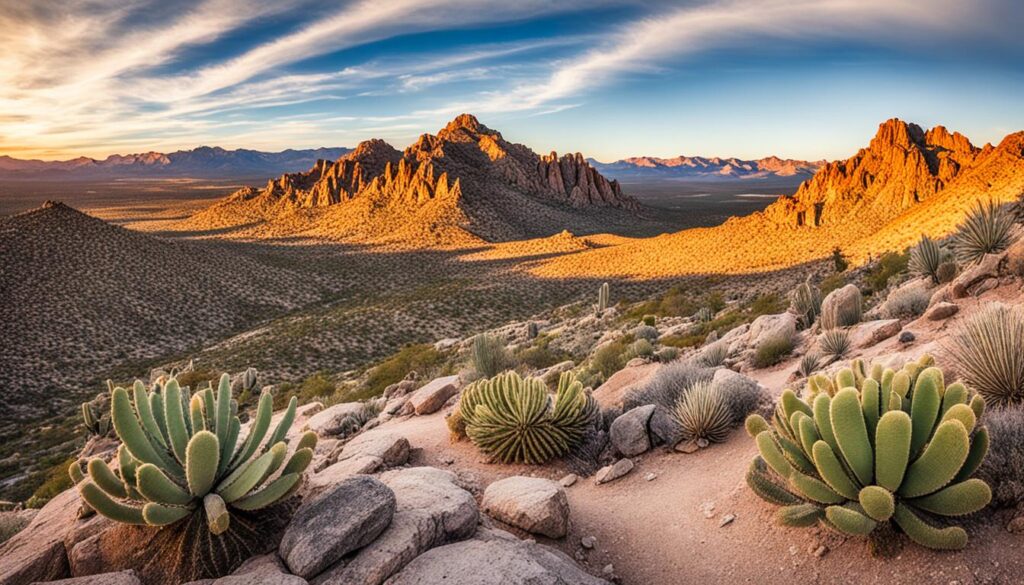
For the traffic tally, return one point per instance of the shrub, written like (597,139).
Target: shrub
(741,394)
(714,355)
(57,481)
(456,425)
(609,358)
(667,385)
(889,265)
(908,303)
(809,364)
(835,343)
(946,271)
(587,457)
(819,462)
(805,302)
(771,351)
(767,304)
(515,420)
(11,524)
(839,262)
(421,358)
(649,320)
(640,348)
(666,354)
(702,413)
(1003,468)
(194,463)
(925,258)
(316,387)
(831,283)
(704,315)
(647,332)
(540,355)
(985,230)
(488,356)
(987,351)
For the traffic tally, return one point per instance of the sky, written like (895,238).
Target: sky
(808,79)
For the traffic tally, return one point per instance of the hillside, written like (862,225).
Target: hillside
(706,168)
(204,161)
(82,296)
(906,182)
(463,185)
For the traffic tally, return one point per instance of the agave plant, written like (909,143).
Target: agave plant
(925,258)
(987,349)
(180,455)
(835,343)
(714,354)
(986,230)
(809,364)
(703,414)
(515,420)
(880,447)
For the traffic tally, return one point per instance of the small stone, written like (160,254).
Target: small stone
(907,337)
(793,550)
(580,556)
(821,551)
(608,569)
(726,520)
(687,447)
(614,471)
(708,509)
(588,542)
(1016,526)
(650,476)
(448,460)
(568,480)
(702,443)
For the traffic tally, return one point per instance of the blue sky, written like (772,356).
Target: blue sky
(794,78)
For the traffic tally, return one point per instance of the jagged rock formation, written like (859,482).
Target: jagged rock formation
(906,183)
(902,166)
(465,182)
(707,168)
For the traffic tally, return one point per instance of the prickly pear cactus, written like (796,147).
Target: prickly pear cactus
(874,446)
(516,420)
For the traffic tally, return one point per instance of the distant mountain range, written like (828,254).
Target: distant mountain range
(203,162)
(464,184)
(710,169)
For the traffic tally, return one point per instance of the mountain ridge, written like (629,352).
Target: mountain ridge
(203,161)
(707,168)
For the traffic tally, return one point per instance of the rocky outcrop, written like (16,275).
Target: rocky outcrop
(629,434)
(37,553)
(432,396)
(901,167)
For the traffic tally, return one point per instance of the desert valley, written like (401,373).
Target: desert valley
(385,334)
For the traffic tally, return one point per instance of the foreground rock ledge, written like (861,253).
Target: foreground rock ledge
(534,504)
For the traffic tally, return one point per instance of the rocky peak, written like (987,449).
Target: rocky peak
(896,132)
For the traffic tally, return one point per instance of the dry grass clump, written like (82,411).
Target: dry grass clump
(925,258)
(835,343)
(1003,468)
(987,350)
(703,413)
(908,303)
(667,385)
(772,351)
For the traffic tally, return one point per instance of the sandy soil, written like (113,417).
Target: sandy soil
(669,530)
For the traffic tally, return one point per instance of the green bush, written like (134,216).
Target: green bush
(890,264)
(422,358)
(609,358)
(316,387)
(56,481)
(649,320)
(767,304)
(771,351)
(887,446)
(832,282)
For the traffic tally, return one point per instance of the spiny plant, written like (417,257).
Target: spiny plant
(180,455)
(531,330)
(985,230)
(809,364)
(704,315)
(602,299)
(714,355)
(987,349)
(925,258)
(703,414)
(805,301)
(835,343)
(882,447)
(97,423)
(515,420)
(489,355)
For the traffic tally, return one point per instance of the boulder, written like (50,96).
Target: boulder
(613,471)
(767,327)
(37,553)
(941,311)
(841,300)
(329,421)
(943,294)
(342,520)
(342,470)
(975,275)
(1015,257)
(118,578)
(262,570)
(533,504)
(494,557)
(432,396)
(873,332)
(388,446)
(431,510)
(663,427)
(628,432)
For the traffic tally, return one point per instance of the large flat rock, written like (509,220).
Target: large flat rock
(118,578)
(37,553)
(432,396)
(533,504)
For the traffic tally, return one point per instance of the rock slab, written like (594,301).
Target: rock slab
(629,433)
(342,520)
(534,504)
(118,578)
(37,553)
(432,396)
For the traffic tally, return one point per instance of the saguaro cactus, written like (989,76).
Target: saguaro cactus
(602,299)
(180,455)
(874,446)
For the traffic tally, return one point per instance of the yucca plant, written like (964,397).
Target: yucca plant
(835,343)
(805,302)
(703,414)
(988,349)
(986,230)
(515,420)
(488,355)
(925,258)
(180,456)
(714,354)
(704,315)
(809,364)
(886,447)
